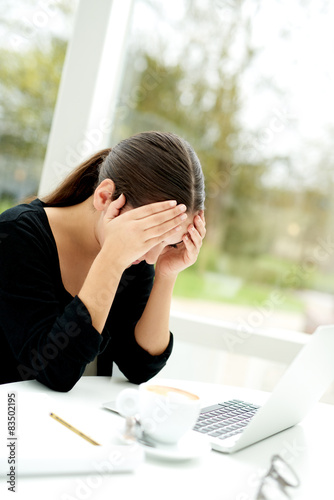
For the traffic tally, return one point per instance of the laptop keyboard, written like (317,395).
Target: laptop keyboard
(227,419)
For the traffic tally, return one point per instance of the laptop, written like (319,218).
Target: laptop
(233,425)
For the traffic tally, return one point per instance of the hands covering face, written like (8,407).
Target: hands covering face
(151,232)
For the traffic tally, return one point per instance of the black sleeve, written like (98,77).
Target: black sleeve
(129,303)
(50,341)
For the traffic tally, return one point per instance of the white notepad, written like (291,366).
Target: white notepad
(44,446)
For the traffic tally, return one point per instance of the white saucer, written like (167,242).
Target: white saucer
(191,445)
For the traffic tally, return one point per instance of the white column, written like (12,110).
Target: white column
(88,90)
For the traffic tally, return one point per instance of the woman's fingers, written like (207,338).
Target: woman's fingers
(158,219)
(202,216)
(197,239)
(152,209)
(199,223)
(165,226)
(177,213)
(194,238)
(164,220)
(155,235)
(120,201)
(115,206)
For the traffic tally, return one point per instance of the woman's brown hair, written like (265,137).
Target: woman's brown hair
(148,167)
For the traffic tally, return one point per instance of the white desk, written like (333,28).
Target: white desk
(308,447)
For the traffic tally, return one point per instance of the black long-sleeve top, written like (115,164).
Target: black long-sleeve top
(46,333)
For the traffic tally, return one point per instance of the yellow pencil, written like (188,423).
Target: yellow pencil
(69,426)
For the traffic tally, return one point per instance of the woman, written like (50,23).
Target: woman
(77,277)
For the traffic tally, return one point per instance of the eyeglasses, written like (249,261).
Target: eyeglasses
(279,477)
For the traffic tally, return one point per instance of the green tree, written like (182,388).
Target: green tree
(29,86)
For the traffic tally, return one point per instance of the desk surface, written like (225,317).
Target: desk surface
(307,447)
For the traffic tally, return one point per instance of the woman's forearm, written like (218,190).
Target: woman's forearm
(100,286)
(152,330)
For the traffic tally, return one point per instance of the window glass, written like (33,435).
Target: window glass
(34,38)
(249,85)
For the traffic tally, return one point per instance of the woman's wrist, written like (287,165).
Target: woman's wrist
(112,260)
(167,279)
(152,330)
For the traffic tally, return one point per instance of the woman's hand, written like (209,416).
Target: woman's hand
(174,260)
(130,235)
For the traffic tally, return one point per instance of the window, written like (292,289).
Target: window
(34,40)
(248,83)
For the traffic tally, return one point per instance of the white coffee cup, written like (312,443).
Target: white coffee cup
(165,413)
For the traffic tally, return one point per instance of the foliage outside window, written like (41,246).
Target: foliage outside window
(215,73)
(32,52)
